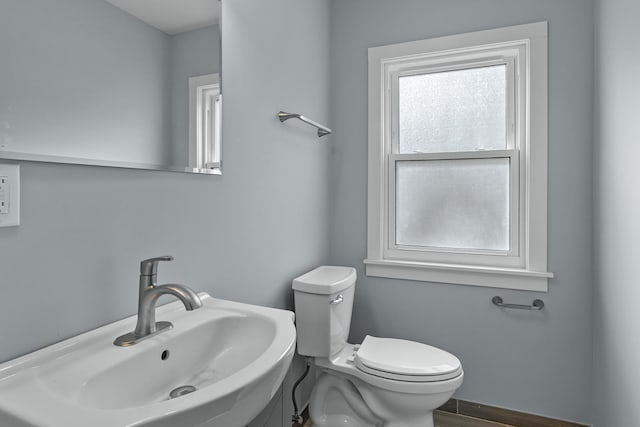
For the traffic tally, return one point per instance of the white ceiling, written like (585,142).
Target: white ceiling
(172,16)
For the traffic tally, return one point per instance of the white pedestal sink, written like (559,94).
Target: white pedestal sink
(224,362)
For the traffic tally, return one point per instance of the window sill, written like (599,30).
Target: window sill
(206,171)
(492,277)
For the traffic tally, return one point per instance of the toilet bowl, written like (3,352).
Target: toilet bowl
(382,382)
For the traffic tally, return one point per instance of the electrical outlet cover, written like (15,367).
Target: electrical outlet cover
(11,192)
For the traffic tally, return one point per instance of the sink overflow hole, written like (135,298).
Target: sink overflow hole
(164,355)
(181,391)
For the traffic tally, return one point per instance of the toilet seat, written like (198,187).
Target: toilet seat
(344,363)
(403,360)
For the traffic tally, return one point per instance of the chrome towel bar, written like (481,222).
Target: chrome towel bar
(538,304)
(322,130)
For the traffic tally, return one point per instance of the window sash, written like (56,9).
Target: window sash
(207,126)
(391,250)
(510,258)
(393,92)
(209,130)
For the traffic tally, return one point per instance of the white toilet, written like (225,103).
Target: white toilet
(382,382)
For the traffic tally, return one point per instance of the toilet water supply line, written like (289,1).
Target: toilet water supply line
(297,418)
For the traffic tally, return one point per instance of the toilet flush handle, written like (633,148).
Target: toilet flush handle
(337,300)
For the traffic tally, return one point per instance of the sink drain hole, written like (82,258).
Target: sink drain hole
(164,355)
(181,391)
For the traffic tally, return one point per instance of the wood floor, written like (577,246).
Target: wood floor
(447,419)
(460,413)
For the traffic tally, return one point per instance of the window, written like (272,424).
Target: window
(458,159)
(204,123)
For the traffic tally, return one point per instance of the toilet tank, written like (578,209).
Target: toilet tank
(323,304)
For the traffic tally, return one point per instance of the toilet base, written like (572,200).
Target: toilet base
(336,400)
(345,421)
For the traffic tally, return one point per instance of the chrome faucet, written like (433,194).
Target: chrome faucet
(147,299)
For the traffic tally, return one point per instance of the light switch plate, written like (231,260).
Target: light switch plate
(9,195)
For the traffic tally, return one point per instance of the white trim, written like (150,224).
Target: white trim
(204,122)
(460,42)
(523,49)
(506,278)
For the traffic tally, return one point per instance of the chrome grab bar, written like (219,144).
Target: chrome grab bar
(338,300)
(322,130)
(538,304)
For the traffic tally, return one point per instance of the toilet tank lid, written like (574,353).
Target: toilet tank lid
(325,280)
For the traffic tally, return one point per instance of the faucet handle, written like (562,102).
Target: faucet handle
(149,267)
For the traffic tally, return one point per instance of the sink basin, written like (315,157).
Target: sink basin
(218,367)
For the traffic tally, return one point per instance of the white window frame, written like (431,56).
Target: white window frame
(205,125)
(523,49)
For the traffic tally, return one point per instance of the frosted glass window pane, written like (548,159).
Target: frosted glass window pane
(461,110)
(458,204)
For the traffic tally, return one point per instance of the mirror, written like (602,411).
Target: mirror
(123,83)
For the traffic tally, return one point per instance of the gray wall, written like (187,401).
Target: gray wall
(73,263)
(616,297)
(82,79)
(193,53)
(529,361)
(275,56)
